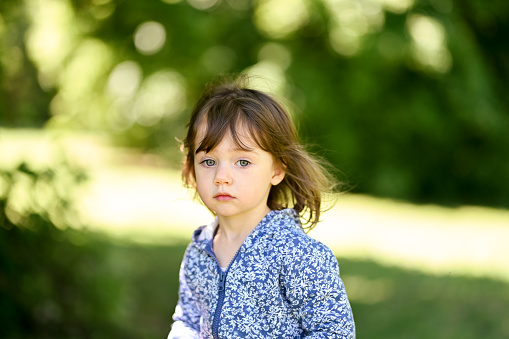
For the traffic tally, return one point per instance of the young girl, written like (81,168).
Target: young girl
(254,272)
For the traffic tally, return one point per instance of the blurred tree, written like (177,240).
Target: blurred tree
(407,97)
(54,280)
(22,101)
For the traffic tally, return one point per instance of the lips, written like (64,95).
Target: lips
(223,197)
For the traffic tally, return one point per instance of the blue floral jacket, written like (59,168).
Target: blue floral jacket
(281,284)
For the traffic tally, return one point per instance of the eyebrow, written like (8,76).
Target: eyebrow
(237,149)
(247,149)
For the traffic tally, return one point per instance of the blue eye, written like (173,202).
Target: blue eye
(243,163)
(208,162)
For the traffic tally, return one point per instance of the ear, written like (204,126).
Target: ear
(277,176)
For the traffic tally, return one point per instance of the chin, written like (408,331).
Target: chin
(223,213)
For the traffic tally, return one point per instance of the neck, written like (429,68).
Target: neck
(240,226)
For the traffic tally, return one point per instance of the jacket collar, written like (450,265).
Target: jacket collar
(270,224)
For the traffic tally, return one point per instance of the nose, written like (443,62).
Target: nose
(223,175)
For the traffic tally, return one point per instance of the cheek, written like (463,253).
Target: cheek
(204,177)
(199,172)
(202,190)
(200,179)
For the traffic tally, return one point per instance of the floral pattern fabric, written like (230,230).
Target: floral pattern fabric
(281,284)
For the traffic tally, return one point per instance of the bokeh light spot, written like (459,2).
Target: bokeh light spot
(267,76)
(161,94)
(124,79)
(202,4)
(149,37)
(397,6)
(344,42)
(89,63)
(350,21)
(280,18)
(276,53)
(429,44)
(51,37)
(79,82)
(239,5)
(102,9)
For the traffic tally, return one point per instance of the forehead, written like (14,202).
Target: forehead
(239,135)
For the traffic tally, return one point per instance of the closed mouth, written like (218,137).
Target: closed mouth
(223,196)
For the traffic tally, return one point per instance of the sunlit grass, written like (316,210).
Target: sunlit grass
(462,241)
(143,204)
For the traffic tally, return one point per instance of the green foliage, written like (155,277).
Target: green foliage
(409,102)
(54,281)
(53,287)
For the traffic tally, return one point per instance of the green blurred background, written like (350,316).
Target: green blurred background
(406,98)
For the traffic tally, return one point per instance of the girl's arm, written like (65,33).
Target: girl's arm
(186,318)
(316,293)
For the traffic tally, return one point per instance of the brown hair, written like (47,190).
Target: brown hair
(226,103)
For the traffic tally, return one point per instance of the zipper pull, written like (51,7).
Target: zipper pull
(222,281)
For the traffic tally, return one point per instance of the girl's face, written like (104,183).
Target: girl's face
(233,182)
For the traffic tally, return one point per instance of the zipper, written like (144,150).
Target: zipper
(217,314)
(221,295)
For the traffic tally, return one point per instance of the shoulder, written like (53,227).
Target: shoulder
(191,255)
(287,229)
(201,237)
(294,245)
